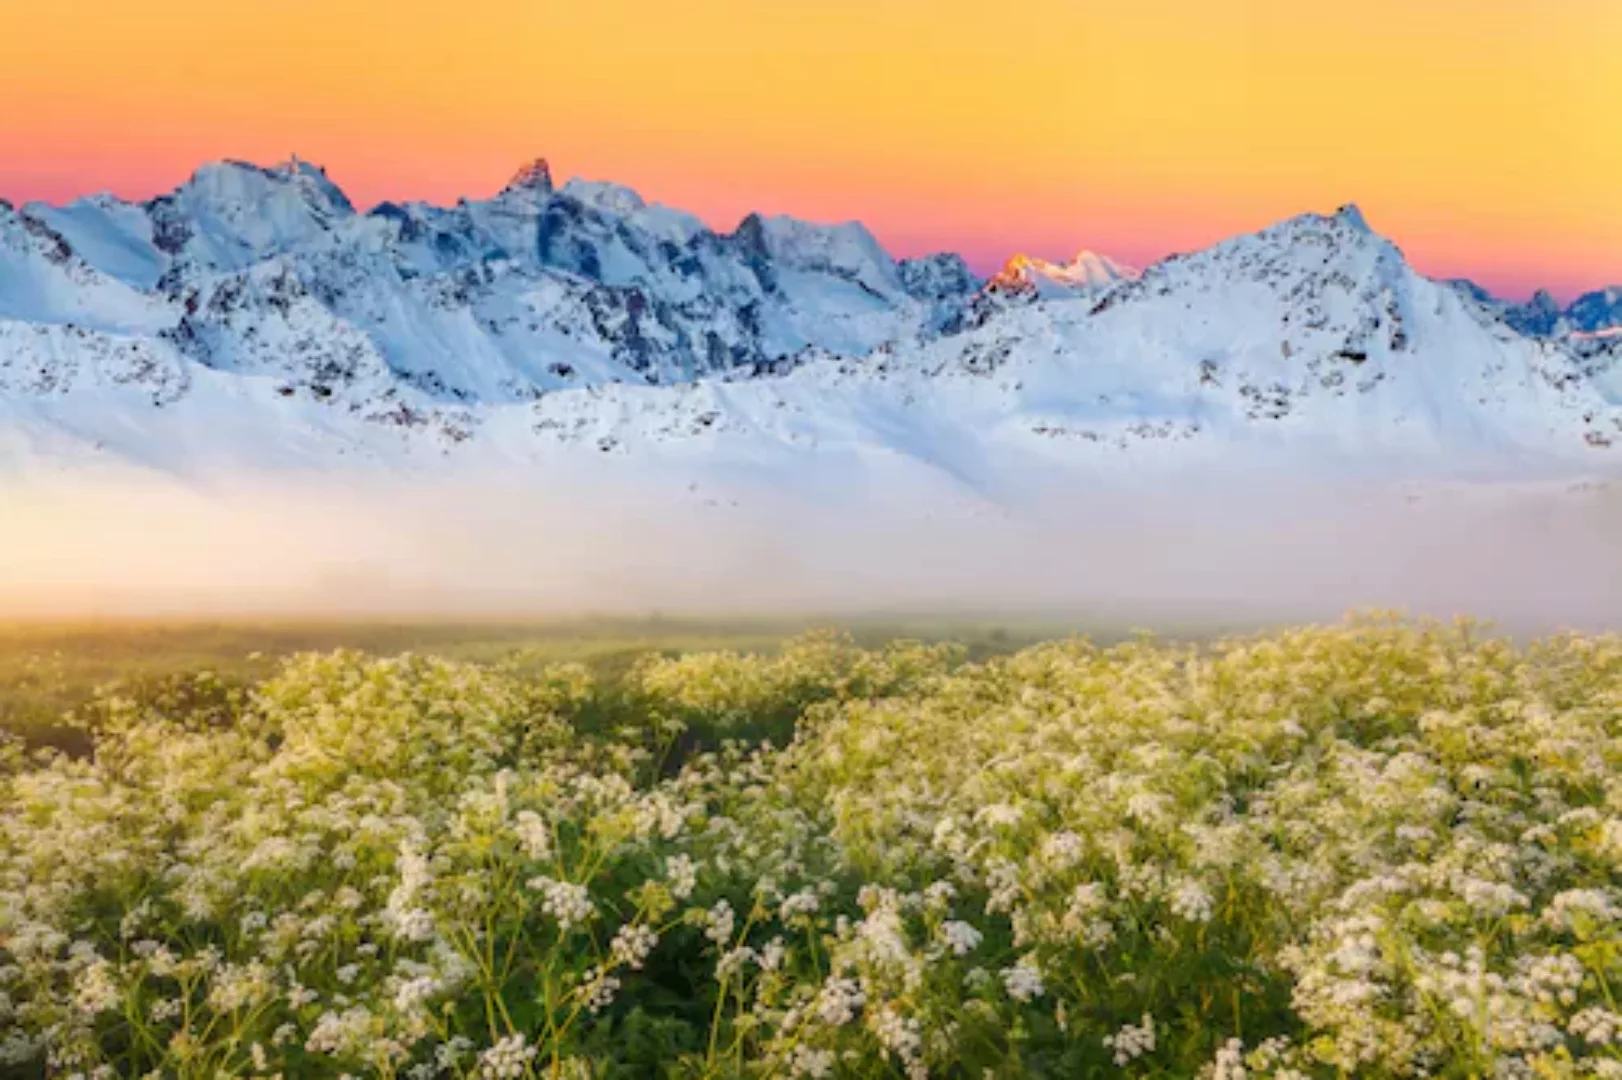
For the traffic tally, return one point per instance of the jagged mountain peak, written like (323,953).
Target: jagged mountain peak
(750,234)
(1346,226)
(535,175)
(1595,312)
(1337,247)
(941,277)
(230,179)
(846,250)
(1351,215)
(294,166)
(1543,316)
(797,237)
(231,213)
(1318,302)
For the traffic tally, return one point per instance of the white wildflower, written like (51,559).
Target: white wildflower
(811,1062)
(507,1059)
(1023,981)
(839,1001)
(960,937)
(534,835)
(1190,900)
(568,903)
(1229,1063)
(804,902)
(96,990)
(681,873)
(633,944)
(1132,1041)
(719,922)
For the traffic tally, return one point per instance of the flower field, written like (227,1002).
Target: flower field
(1380,849)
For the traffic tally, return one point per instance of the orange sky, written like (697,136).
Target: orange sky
(1484,136)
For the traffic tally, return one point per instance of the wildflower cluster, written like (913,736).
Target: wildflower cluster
(1382,849)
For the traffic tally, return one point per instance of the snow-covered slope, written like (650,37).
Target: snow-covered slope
(1311,344)
(255,316)
(65,326)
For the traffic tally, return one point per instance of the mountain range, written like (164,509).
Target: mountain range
(255,316)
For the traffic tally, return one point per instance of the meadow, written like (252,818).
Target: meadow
(51,669)
(1382,848)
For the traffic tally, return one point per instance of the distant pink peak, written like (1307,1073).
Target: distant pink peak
(1087,272)
(534,176)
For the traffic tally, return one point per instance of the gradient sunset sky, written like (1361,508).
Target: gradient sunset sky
(1483,136)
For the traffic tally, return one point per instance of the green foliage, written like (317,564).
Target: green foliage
(1382,849)
(48,670)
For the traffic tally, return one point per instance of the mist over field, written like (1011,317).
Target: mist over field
(1538,556)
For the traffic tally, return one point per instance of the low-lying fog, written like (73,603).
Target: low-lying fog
(1532,556)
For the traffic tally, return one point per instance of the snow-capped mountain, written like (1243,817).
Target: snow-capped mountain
(1085,276)
(272,272)
(255,315)
(1596,313)
(1312,343)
